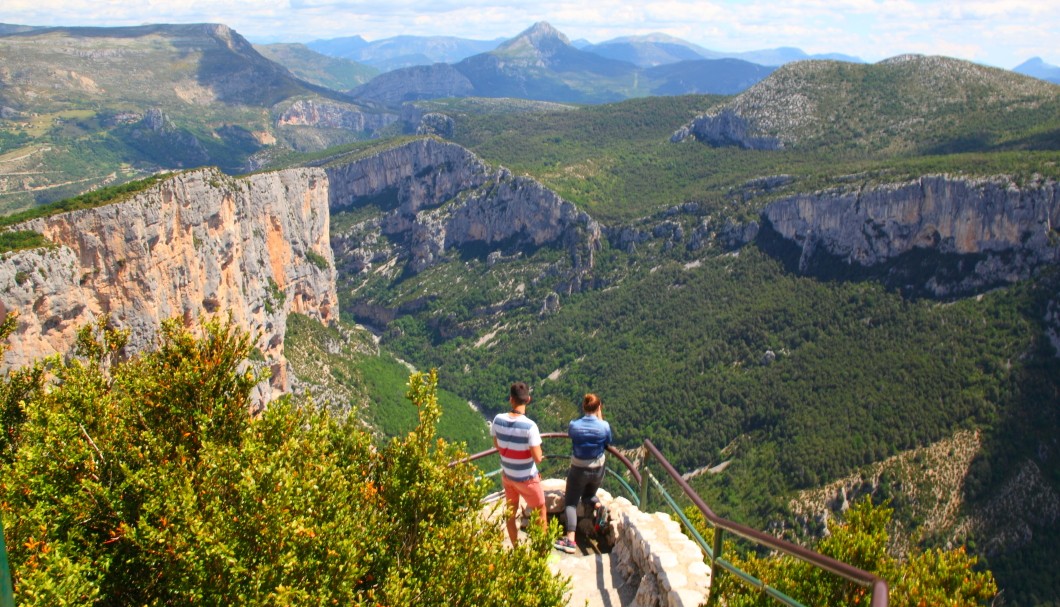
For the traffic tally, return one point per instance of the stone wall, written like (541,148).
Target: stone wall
(653,553)
(649,551)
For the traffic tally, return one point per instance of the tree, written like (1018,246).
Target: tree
(147,482)
(923,578)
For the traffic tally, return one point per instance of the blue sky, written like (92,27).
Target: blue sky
(1002,33)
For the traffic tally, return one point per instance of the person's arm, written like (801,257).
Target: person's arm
(496,445)
(537,454)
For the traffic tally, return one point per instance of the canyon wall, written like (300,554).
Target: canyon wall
(199,243)
(937,236)
(438,196)
(260,247)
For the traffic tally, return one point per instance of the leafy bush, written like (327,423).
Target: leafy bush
(932,577)
(147,482)
(317,260)
(17,240)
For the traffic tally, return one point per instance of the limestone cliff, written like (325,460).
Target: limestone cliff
(199,243)
(439,196)
(259,248)
(419,174)
(726,128)
(334,115)
(938,236)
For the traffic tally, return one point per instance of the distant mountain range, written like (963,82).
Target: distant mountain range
(84,107)
(335,73)
(645,51)
(1039,69)
(403,51)
(542,64)
(660,49)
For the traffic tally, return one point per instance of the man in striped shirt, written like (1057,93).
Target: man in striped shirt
(518,441)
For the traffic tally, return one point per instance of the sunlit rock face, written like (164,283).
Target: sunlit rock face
(935,236)
(198,244)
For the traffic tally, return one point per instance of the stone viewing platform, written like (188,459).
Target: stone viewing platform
(645,560)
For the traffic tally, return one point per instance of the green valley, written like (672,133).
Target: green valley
(905,300)
(717,352)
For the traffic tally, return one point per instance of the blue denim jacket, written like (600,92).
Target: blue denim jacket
(589,436)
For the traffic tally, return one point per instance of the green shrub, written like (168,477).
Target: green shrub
(317,260)
(274,296)
(17,240)
(147,482)
(931,577)
(96,198)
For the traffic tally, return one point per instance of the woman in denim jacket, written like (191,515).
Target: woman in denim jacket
(589,436)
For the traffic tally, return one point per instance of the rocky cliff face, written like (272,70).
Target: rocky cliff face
(197,244)
(423,173)
(332,115)
(936,236)
(726,128)
(931,484)
(259,248)
(438,196)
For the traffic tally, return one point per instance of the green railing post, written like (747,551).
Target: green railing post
(7,596)
(715,571)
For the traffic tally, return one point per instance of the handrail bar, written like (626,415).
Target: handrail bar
(615,452)
(848,572)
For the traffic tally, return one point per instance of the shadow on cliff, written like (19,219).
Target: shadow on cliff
(916,274)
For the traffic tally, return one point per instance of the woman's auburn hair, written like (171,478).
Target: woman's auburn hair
(591,403)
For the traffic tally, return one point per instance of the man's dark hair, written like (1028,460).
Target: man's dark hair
(520,393)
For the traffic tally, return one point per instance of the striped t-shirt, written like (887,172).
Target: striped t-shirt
(515,436)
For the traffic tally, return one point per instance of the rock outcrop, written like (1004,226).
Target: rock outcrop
(333,115)
(423,173)
(937,236)
(726,128)
(199,243)
(438,196)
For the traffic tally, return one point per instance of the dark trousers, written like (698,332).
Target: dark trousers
(582,484)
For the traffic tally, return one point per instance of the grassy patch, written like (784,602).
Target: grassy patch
(342,364)
(317,260)
(21,239)
(97,198)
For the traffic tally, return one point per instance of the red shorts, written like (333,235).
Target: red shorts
(529,490)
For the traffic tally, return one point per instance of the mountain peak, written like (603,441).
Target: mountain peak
(1033,62)
(1038,68)
(541,37)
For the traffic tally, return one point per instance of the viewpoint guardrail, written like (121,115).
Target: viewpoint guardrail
(644,479)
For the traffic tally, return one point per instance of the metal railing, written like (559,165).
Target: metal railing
(7,596)
(644,479)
